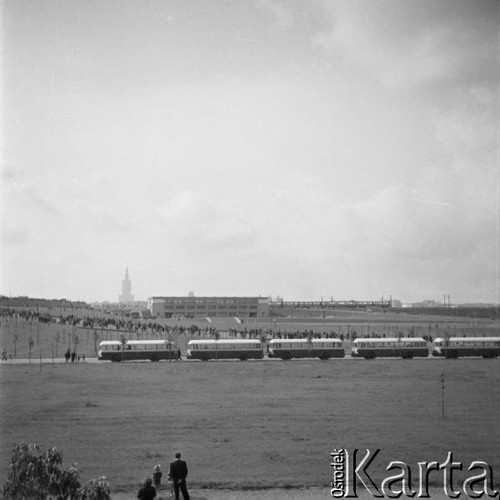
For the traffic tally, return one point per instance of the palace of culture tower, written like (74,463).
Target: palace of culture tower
(126,296)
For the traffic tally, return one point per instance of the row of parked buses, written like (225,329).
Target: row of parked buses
(368,348)
(244,349)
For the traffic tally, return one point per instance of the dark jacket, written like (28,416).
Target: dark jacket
(178,470)
(147,492)
(157,477)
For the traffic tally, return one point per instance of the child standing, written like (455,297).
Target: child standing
(157,478)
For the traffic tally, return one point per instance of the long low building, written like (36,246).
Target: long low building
(192,307)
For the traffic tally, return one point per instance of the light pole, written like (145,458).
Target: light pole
(442,396)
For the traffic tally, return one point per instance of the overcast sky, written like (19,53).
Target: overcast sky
(300,148)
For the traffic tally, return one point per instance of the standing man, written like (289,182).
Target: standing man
(177,474)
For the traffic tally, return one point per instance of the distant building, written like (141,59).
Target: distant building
(427,303)
(192,307)
(126,296)
(55,306)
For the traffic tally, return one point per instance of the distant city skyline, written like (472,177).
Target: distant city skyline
(276,299)
(342,148)
(126,297)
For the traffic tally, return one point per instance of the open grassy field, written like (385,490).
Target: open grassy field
(254,424)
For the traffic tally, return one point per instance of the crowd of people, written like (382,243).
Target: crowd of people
(28,315)
(73,356)
(141,327)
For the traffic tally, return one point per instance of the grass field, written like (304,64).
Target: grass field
(254,424)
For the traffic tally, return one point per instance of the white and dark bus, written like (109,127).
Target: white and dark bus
(303,348)
(241,349)
(136,350)
(404,347)
(457,347)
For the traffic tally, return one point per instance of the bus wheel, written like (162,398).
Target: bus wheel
(490,354)
(409,355)
(155,358)
(115,358)
(324,356)
(204,357)
(370,355)
(286,356)
(453,354)
(243,357)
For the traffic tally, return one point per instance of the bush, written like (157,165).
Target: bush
(95,489)
(34,473)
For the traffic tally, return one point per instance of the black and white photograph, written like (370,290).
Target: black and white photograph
(249,249)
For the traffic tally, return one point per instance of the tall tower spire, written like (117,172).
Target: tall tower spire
(126,295)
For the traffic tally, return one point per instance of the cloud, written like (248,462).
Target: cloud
(9,174)
(403,227)
(43,204)
(410,44)
(13,237)
(469,125)
(13,176)
(193,218)
(24,205)
(102,220)
(281,12)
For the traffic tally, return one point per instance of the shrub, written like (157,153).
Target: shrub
(34,473)
(95,489)
(37,474)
